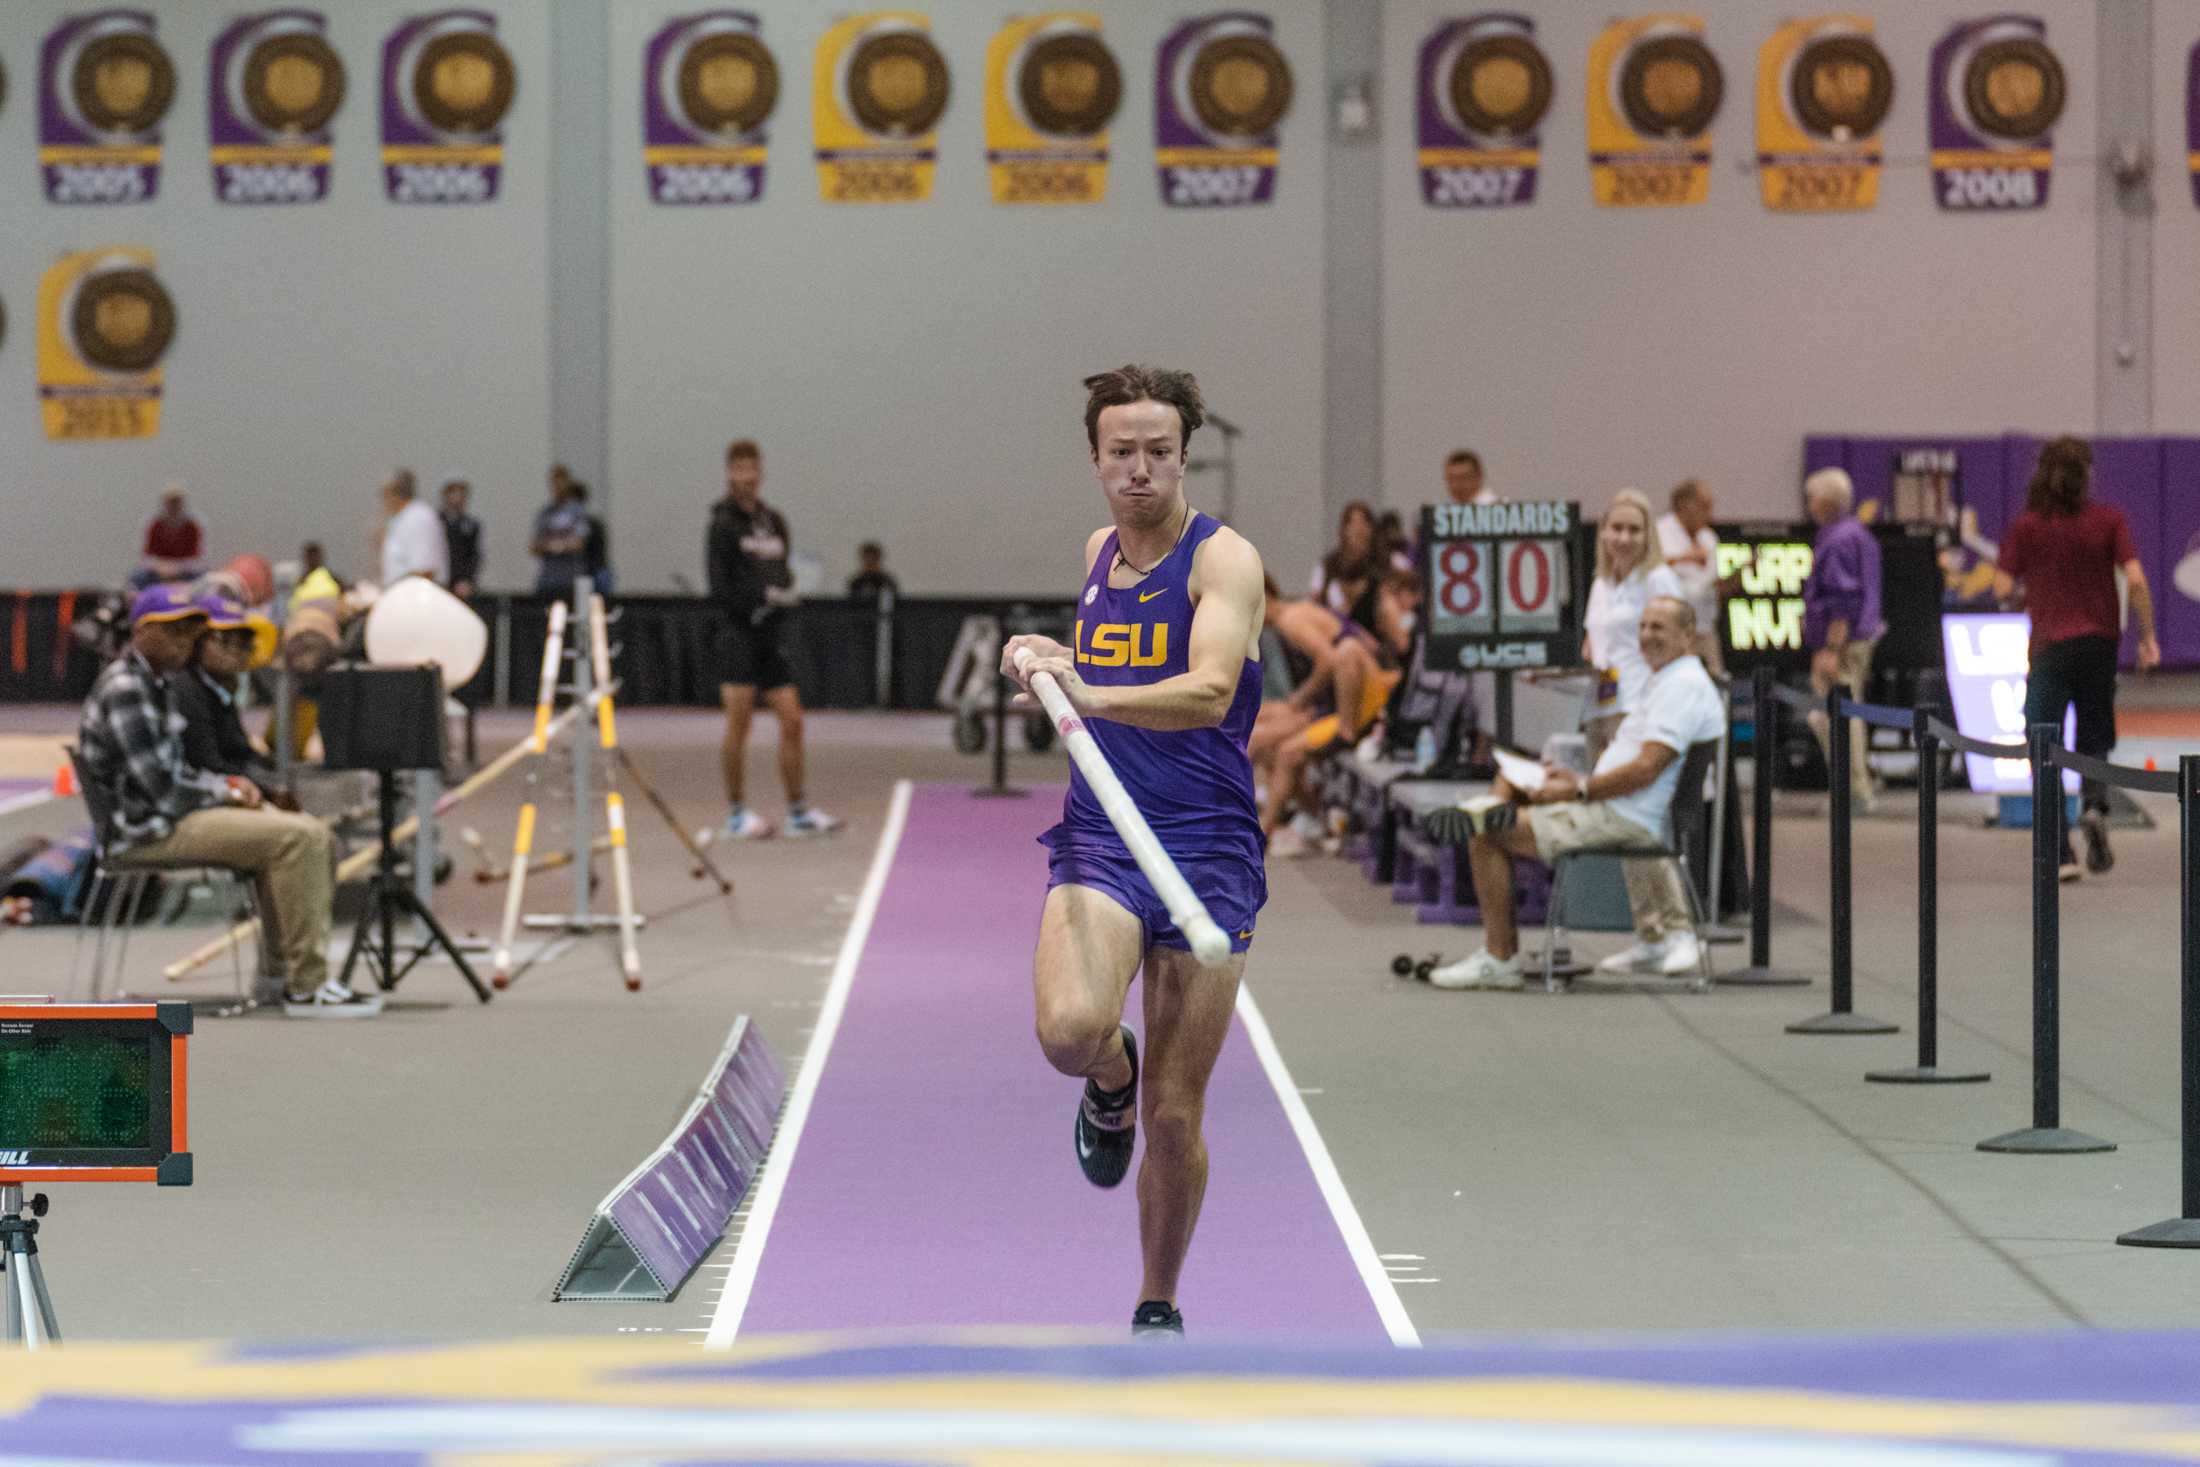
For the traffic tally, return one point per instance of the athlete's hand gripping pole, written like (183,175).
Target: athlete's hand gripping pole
(1210,944)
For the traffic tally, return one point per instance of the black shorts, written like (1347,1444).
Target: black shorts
(756,656)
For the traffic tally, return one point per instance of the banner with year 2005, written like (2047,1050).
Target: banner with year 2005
(1997,92)
(1221,86)
(104,84)
(1483,86)
(447,82)
(1504,584)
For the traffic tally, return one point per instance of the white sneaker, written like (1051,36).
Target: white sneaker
(1308,826)
(1479,971)
(1287,844)
(745,825)
(1643,957)
(332,1000)
(809,820)
(1682,956)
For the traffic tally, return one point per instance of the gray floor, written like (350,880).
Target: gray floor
(1623,1160)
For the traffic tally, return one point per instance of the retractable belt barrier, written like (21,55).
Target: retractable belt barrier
(1764,713)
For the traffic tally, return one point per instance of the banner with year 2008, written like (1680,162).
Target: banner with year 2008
(1997,92)
(1503,584)
(104,84)
(1483,87)
(447,83)
(1221,86)
(273,86)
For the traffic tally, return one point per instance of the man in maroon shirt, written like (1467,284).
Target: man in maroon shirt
(2059,562)
(174,543)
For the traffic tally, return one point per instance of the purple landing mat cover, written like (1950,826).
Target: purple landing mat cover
(936,1182)
(669,1213)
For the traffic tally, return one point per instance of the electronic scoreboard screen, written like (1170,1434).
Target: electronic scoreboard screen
(1763,566)
(94,1093)
(1505,583)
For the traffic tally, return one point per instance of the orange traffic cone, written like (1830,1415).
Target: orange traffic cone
(64,780)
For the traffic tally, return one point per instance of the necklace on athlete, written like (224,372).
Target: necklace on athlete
(1184,523)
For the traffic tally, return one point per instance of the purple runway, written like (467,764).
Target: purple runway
(933,1181)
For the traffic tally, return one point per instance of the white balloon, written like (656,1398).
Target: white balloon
(418,621)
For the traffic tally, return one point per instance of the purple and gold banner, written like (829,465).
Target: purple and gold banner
(273,86)
(1654,88)
(877,92)
(447,83)
(1997,91)
(1823,89)
(1052,86)
(104,84)
(104,323)
(1220,88)
(708,87)
(1483,88)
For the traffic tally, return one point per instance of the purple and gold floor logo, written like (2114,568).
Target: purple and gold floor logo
(273,86)
(1823,90)
(1483,88)
(1997,92)
(104,323)
(1654,88)
(708,87)
(104,84)
(447,83)
(1052,86)
(1221,86)
(879,88)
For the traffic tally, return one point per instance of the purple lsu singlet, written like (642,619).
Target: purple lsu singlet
(1194,786)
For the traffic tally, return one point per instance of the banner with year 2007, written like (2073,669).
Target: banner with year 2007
(708,86)
(1483,86)
(1504,584)
(1997,92)
(1220,88)
(447,82)
(1654,89)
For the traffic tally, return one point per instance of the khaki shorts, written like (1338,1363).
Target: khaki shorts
(1575,825)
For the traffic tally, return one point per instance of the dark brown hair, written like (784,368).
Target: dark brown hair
(742,448)
(1129,384)
(2059,483)
(1463,456)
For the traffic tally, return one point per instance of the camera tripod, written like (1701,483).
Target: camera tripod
(388,897)
(31,1321)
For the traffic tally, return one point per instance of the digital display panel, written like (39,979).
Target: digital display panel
(1989,661)
(1763,567)
(1504,584)
(94,1092)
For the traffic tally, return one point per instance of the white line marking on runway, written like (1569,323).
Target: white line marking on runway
(24,801)
(1356,1241)
(1403,1257)
(749,1254)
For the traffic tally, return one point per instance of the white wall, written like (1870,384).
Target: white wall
(1581,348)
(2176,231)
(316,344)
(912,370)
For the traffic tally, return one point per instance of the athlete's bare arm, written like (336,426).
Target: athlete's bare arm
(1225,588)
(1313,631)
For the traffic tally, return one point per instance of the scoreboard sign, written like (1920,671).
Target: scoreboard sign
(1763,567)
(1504,584)
(94,1093)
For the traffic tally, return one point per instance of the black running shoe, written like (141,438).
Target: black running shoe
(2098,857)
(1107,1124)
(1155,1320)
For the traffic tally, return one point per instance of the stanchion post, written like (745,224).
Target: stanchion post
(2184,1231)
(1765,738)
(1842,1017)
(1927,1070)
(2046,1133)
(1001,788)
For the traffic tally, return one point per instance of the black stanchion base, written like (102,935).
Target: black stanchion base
(1006,792)
(2046,1141)
(2178,1232)
(1762,978)
(1926,1075)
(1563,964)
(1843,1024)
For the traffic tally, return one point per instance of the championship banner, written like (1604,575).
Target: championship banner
(104,322)
(1220,88)
(708,87)
(1483,87)
(879,88)
(1505,584)
(447,83)
(1654,88)
(104,84)
(1823,90)
(1996,93)
(273,85)
(1051,88)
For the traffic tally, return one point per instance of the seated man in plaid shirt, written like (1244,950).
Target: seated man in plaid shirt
(167,812)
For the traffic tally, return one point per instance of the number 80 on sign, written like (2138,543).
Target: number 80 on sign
(1491,586)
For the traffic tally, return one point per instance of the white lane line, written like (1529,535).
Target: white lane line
(1356,1240)
(749,1253)
(24,801)
(1404,1257)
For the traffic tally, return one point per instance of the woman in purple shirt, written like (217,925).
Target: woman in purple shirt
(1841,621)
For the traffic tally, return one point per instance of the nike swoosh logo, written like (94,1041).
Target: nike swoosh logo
(1245,934)
(1149,595)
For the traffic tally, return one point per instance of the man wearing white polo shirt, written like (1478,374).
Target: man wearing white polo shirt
(1622,805)
(1691,550)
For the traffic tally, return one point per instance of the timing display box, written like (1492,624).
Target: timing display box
(1505,583)
(1764,565)
(94,1093)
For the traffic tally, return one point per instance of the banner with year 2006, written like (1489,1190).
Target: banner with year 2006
(1221,86)
(1997,92)
(447,82)
(274,84)
(1504,584)
(708,86)
(1483,86)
